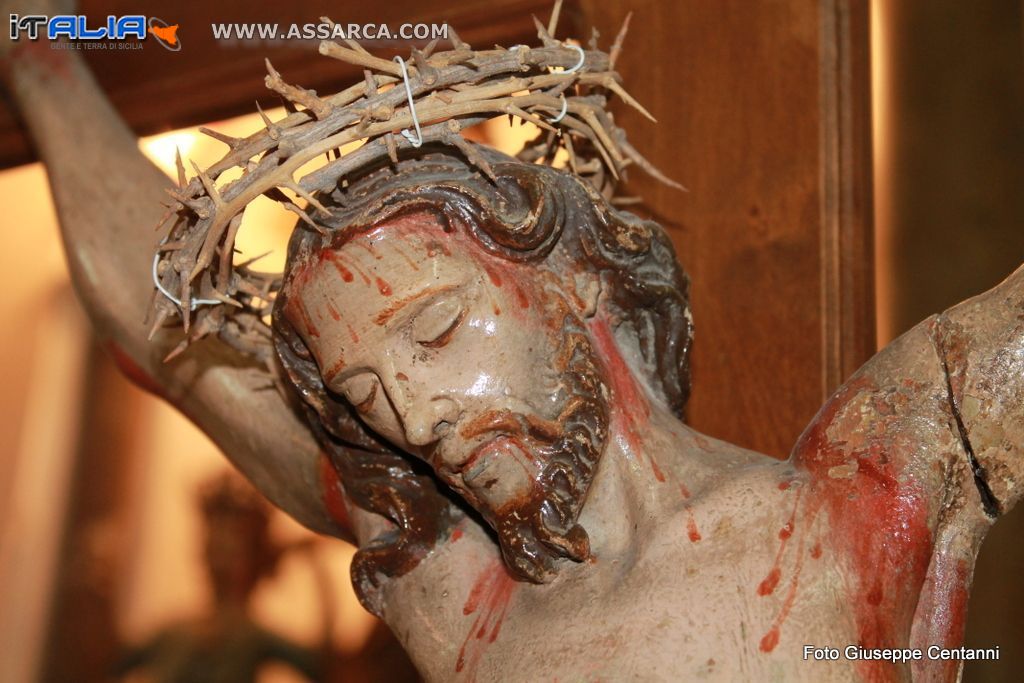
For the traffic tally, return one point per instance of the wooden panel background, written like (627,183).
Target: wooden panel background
(764,112)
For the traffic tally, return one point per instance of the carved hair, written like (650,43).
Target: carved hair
(526,213)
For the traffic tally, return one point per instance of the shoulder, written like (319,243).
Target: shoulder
(888,439)
(982,345)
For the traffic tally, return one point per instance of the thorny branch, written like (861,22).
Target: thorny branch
(452,90)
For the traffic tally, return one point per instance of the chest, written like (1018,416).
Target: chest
(734,592)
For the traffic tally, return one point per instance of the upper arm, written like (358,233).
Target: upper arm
(982,342)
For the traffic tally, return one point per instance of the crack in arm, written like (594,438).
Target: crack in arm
(989,502)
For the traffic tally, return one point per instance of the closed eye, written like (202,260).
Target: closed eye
(435,326)
(445,336)
(361,391)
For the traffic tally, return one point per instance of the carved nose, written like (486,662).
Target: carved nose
(428,421)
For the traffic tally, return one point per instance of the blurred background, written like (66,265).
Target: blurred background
(853,167)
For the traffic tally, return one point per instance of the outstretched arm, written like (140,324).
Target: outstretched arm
(108,197)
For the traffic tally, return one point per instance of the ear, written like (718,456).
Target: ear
(588,291)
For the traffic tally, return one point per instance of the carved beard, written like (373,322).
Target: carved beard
(540,528)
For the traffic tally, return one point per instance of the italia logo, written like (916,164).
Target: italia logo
(76,27)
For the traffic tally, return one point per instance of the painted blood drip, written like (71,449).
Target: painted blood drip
(333,311)
(334,496)
(691,527)
(771,639)
(296,306)
(493,274)
(373,252)
(405,257)
(692,532)
(336,261)
(488,599)
(521,298)
(878,525)
(132,371)
(769,583)
(383,287)
(631,410)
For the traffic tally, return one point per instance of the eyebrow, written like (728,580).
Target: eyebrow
(392,310)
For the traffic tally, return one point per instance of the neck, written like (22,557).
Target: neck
(649,471)
(651,465)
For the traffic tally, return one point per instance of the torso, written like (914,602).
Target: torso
(865,537)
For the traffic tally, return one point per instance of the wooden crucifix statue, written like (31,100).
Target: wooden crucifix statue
(481,366)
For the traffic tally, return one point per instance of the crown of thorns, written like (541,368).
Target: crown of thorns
(560,87)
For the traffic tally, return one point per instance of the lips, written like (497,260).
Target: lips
(482,456)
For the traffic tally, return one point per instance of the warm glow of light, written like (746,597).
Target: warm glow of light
(266,225)
(161,149)
(510,138)
(881,172)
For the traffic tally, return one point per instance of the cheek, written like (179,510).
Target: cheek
(382,419)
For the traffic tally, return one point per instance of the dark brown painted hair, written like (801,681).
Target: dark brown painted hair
(531,214)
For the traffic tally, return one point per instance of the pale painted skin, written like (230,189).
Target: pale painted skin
(449,315)
(708,560)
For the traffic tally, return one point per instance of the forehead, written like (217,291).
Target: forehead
(381,269)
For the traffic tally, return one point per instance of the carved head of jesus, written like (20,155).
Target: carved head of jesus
(439,335)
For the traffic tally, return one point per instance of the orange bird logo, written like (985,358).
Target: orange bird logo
(168,34)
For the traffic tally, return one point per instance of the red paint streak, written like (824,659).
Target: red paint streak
(332,256)
(295,308)
(352,333)
(401,376)
(630,409)
(497,310)
(333,371)
(816,551)
(691,527)
(683,490)
(878,519)
(521,298)
(767,586)
(130,369)
(492,273)
(658,474)
(371,251)
(383,287)
(771,639)
(456,535)
(405,257)
(489,600)
(784,485)
(362,273)
(334,496)
(333,311)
